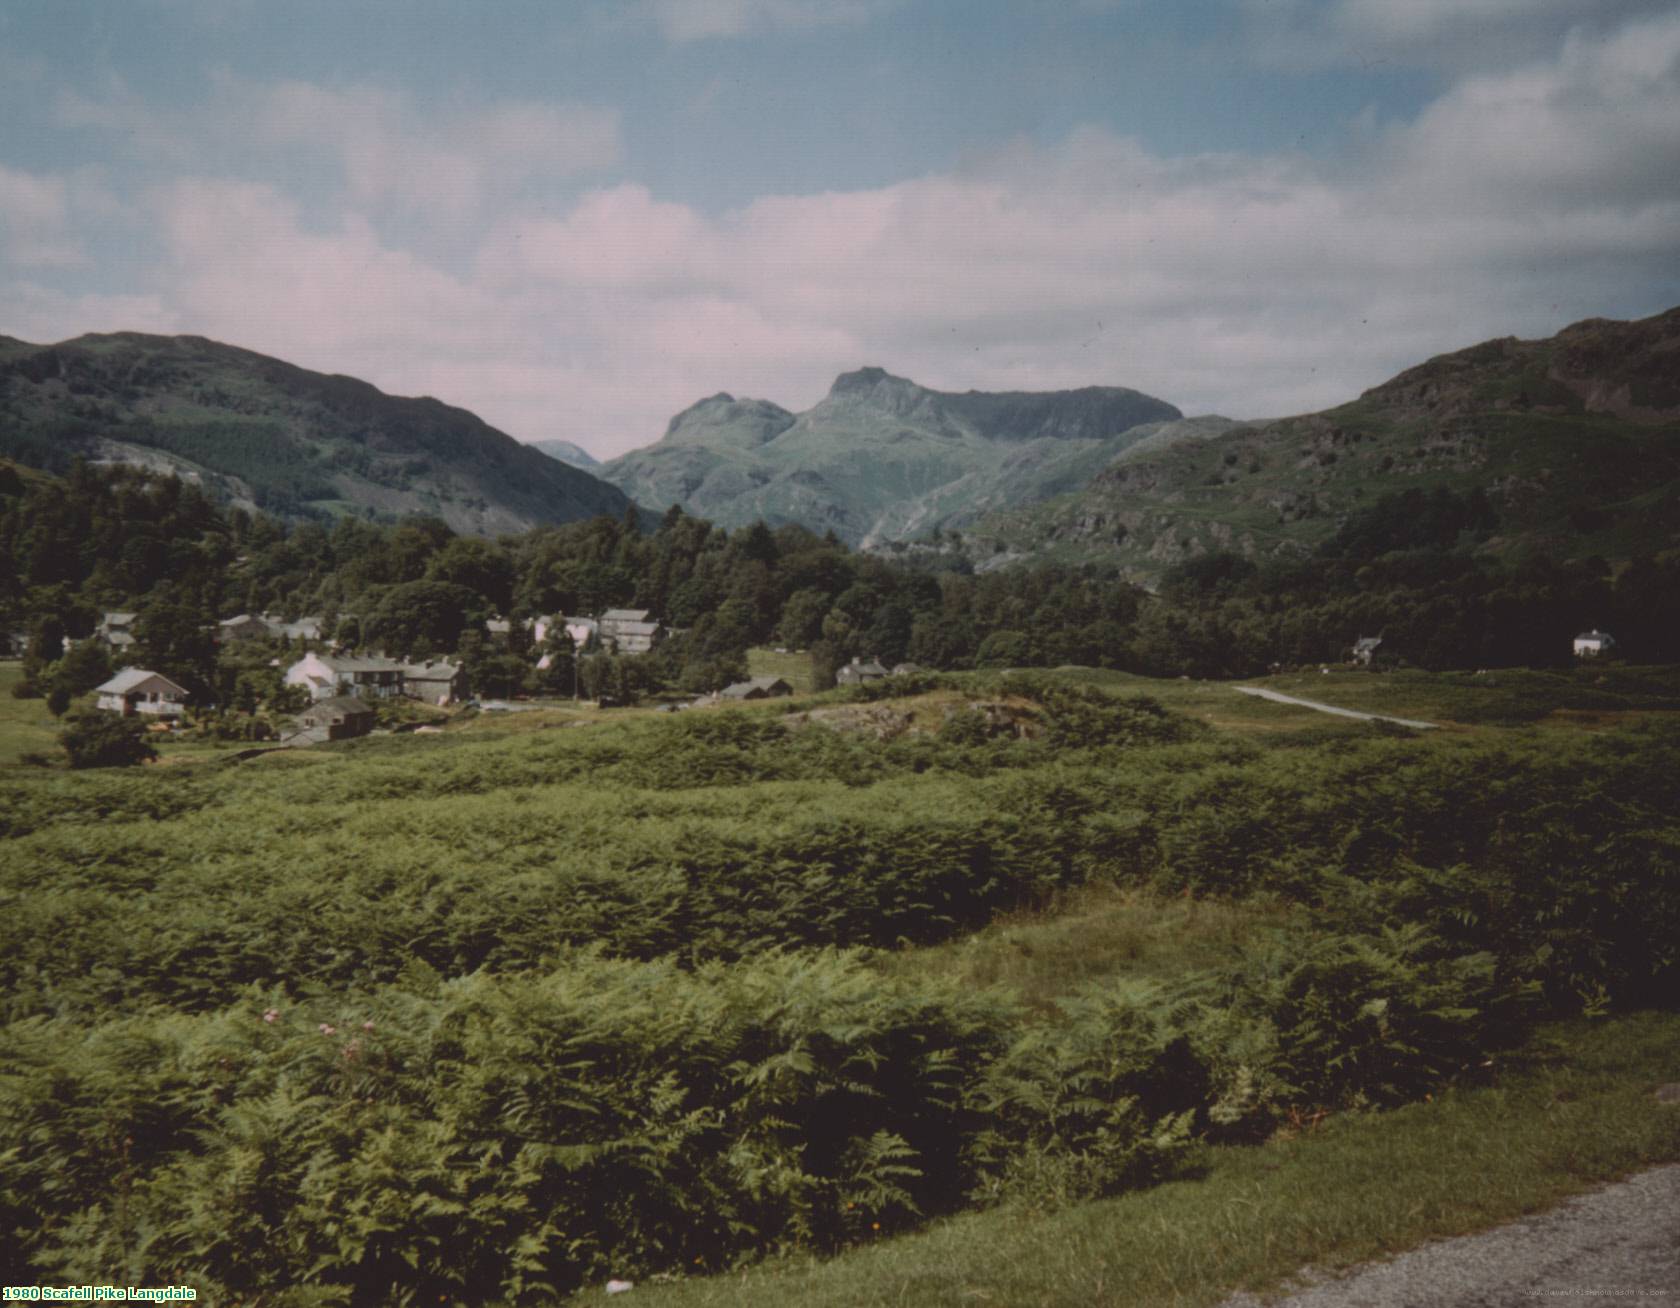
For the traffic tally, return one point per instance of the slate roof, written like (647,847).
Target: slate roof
(133,678)
(346,704)
(764,685)
(346,663)
(626,615)
(438,671)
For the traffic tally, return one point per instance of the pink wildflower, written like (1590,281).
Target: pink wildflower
(327,1028)
(367,1026)
(271,1015)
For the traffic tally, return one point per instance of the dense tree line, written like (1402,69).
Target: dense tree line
(1403,570)
(105,538)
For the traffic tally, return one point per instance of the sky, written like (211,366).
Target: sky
(578,218)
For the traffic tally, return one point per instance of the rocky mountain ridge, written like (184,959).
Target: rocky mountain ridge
(882,458)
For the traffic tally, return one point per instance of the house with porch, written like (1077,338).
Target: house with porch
(142,691)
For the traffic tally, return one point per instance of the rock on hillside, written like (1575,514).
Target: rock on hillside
(264,433)
(882,458)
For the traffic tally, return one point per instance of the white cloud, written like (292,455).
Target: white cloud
(246,269)
(34,212)
(445,166)
(45,315)
(389,151)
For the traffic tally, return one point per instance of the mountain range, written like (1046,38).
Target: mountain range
(882,459)
(1574,441)
(265,434)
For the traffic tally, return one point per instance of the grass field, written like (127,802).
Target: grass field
(25,725)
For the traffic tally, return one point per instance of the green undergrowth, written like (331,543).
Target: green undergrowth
(1570,1110)
(490,1016)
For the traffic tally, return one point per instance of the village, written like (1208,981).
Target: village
(336,693)
(330,692)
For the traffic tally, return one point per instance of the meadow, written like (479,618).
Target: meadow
(492,1015)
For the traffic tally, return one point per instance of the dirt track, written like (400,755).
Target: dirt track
(1620,1245)
(1279,697)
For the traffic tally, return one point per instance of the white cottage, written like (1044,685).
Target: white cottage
(1590,644)
(326,675)
(140,690)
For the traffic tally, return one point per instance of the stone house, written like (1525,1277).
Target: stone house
(859,671)
(340,717)
(116,630)
(434,682)
(630,631)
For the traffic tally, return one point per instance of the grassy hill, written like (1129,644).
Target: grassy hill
(263,433)
(881,458)
(1574,440)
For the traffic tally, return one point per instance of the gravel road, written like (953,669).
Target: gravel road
(1619,1245)
(1279,697)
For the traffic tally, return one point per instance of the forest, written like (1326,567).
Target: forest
(1412,568)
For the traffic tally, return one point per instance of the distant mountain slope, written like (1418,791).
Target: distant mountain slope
(261,432)
(881,458)
(1575,441)
(566,452)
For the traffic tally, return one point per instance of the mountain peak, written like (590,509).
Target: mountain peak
(863,379)
(723,419)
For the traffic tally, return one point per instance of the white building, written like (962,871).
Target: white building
(1590,644)
(326,675)
(140,690)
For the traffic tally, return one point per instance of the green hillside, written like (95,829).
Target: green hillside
(1574,441)
(264,434)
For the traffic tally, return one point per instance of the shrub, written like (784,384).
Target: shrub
(94,738)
